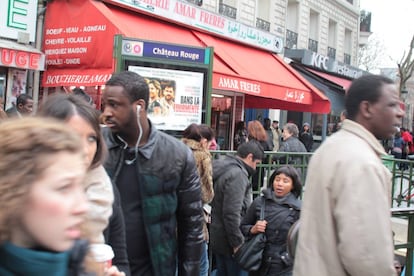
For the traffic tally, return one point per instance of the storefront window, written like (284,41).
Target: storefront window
(221,118)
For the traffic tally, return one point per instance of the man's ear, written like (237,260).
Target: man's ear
(250,156)
(20,106)
(365,109)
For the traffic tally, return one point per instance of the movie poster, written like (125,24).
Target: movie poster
(18,79)
(175,96)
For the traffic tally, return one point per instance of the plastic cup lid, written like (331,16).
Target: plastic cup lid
(102,252)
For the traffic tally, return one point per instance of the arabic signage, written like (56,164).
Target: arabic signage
(175,96)
(195,17)
(21,59)
(18,16)
(261,89)
(324,63)
(163,51)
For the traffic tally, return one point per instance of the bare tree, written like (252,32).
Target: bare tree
(372,54)
(406,66)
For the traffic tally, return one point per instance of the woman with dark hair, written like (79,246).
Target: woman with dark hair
(282,210)
(198,139)
(105,214)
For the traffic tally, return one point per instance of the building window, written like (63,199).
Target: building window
(263,15)
(262,24)
(350,1)
(291,40)
(365,23)
(227,10)
(331,52)
(347,59)
(347,46)
(313,45)
(313,31)
(332,35)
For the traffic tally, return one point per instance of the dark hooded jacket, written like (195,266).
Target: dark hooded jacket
(171,200)
(232,198)
(280,214)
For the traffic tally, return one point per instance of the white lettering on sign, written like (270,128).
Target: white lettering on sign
(77,79)
(239,85)
(294,96)
(179,11)
(319,61)
(229,83)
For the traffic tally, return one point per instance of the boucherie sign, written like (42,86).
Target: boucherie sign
(21,59)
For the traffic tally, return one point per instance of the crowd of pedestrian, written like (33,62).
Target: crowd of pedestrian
(165,207)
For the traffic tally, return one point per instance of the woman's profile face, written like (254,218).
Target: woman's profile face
(282,185)
(153,91)
(54,207)
(88,136)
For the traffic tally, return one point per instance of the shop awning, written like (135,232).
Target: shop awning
(265,79)
(344,83)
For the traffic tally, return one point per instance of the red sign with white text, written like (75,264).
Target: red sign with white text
(82,40)
(261,89)
(21,59)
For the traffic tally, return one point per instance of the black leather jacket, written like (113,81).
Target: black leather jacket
(169,181)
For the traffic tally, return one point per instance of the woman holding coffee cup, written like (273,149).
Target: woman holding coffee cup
(83,119)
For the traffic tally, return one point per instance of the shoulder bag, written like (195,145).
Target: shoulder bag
(249,255)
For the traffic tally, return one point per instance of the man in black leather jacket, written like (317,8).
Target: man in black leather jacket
(158,182)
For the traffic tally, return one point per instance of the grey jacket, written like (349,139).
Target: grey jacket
(292,144)
(171,200)
(233,195)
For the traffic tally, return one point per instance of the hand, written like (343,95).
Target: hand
(259,227)
(113,271)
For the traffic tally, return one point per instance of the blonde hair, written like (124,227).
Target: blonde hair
(26,147)
(256,131)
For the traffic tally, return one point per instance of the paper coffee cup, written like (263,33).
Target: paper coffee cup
(102,253)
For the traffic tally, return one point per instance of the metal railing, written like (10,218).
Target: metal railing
(262,24)
(347,58)
(402,190)
(291,39)
(227,10)
(313,45)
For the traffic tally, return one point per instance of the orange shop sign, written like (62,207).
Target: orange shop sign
(21,59)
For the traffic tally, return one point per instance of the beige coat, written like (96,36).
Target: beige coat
(98,188)
(205,171)
(345,219)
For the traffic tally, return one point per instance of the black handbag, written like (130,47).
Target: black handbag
(249,256)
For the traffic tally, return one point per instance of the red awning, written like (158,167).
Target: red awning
(345,83)
(265,79)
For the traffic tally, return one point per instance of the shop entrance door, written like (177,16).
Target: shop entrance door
(221,120)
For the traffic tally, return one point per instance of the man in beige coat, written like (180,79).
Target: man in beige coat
(345,219)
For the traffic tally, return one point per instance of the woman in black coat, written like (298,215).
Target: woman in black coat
(282,210)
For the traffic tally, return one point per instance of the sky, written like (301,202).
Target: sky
(393,23)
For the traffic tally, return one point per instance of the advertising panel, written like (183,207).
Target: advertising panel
(175,96)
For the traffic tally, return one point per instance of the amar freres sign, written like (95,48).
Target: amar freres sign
(190,15)
(18,16)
